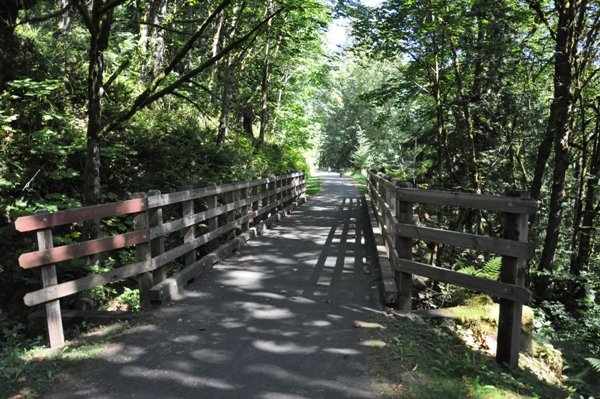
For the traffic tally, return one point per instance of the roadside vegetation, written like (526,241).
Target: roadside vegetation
(101,100)
(313,185)
(413,358)
(28,366)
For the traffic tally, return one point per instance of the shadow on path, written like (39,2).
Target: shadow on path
(273,321)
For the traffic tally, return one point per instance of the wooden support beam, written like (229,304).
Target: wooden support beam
(143,254)
(56,336)
(512,272)
(404,214)
(157,245)
(213,223)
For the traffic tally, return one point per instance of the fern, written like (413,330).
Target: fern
(595,363)
(491,270)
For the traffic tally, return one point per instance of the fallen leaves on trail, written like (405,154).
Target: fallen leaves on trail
(396,387)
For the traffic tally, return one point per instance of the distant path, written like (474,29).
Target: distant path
(273,322)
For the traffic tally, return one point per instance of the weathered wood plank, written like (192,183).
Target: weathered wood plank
(171,287)
(66,252)
(491,287)
(157,245)
(467,200)
(144,254)
(213,222)
(526,206)
(57,291)
(244,208)
(512,272)
(388,283)
(403,245)
(189,233)
(187,221)
(35,222)
(494,245)
(187,195)
(72,287)
(56,336)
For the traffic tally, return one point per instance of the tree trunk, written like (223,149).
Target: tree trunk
(101,23)
(227,88)
(265,81)
(158,36)
(225,103)
(559,125)
(9,12)
(586,231)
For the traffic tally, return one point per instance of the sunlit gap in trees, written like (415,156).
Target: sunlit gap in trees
(337,34)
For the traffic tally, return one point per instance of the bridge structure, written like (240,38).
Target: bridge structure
(277,318)
(272,310)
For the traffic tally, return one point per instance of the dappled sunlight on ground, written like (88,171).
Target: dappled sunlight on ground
(280,319)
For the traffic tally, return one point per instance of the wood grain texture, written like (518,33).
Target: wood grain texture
(72,251)
(497,203)
(42,221)
(493,245)
(502,290)
(56,336)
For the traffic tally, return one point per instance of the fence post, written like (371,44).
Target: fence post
(290,183)
(295,189)
(304,184)
(143,254)
(157,245)
(256,220)
(53,315)
(244,195)
(278,196)
(512,272)
(229,198)
(404,214)
(265,202)
(189,233)
(213,223)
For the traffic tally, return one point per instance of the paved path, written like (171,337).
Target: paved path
(275,321)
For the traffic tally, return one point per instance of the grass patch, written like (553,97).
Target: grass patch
(313,185)
(359,179)
(27,369)
(428,359)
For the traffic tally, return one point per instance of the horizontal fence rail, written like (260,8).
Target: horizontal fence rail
(237,206)
(392,201)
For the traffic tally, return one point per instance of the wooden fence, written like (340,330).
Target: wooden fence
(393,200)
(236,205)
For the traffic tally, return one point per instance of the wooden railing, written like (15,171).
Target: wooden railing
(393,200)
(259,202)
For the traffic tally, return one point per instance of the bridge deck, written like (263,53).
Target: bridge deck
(274,321)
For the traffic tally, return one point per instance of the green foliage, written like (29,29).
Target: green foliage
(491,270)
(594,362)
(313,186)
(415,358)
(129,298)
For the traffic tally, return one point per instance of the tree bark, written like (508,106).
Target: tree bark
(100,25)
(587,232)
(9,12)
(265,81)
(559,126)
